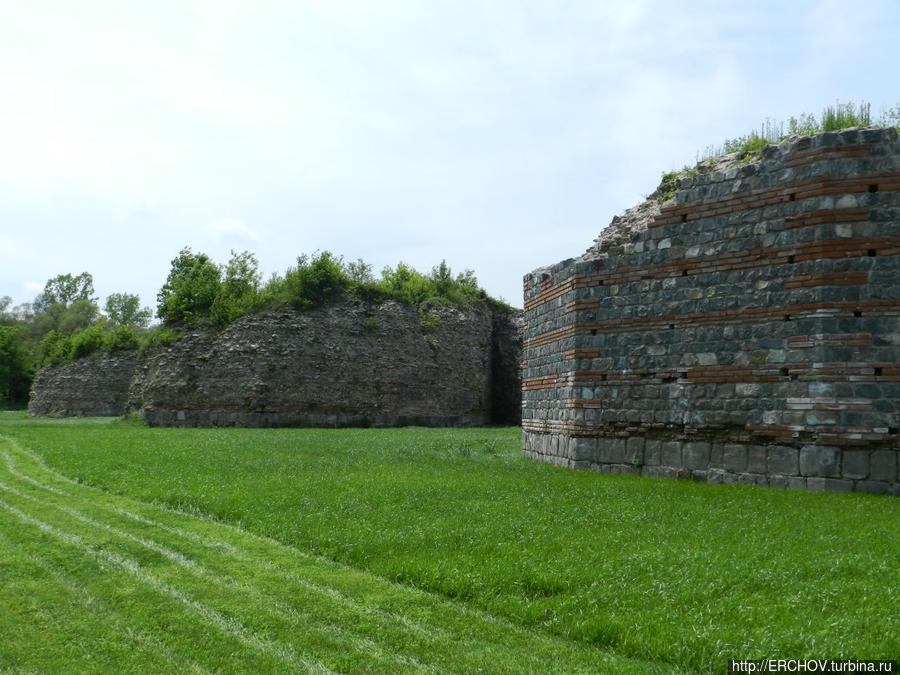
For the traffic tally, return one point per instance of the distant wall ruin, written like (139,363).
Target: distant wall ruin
(96,386)
(746,331)
(349,363)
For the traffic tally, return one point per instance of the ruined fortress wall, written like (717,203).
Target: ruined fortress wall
(748,332)
(350,363)
(96,386)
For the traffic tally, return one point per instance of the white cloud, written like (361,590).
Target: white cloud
(383,129)
(231,228)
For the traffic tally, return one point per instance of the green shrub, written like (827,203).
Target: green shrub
(55,348)
(239,293)
(88,341)
(196,292)
(405,284)
(121,338)
(160,336)
(315,280)
(371,324)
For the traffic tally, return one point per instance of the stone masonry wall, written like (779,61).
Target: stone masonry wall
(96,386)
(746,331)
(350,363)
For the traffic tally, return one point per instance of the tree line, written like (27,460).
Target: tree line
(65,321)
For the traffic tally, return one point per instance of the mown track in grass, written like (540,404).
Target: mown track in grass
(667,571)
(93,581)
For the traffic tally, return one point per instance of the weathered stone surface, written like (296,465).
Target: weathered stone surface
(96,386)
(819,460)
(757,458)
(582,449)
(884,465)
(783,461)
(855,464)
(349,363)
(735,457)
(696,455)
(743,319)
(611,450)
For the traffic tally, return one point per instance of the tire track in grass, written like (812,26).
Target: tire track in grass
(274,607)
(437,628)
(271,605)
(436,637)
(223,623)
(193,536)
(90,603)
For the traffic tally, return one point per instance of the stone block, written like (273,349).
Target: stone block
(883,465)
(855,464)
(634,450)
(611,450)
(659,472)
(756,459)
(838,485)
(820,461)
(779,481)
(696,455)
(873,487)
(747,389)
(670,454)
(797,483)
(734,457)
(651,452)
(815,484)
(715,454)
(716,476)
(783,460)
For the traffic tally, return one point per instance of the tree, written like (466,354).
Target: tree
(67,305)
(190,289)
(15,366)
(239,293)
(7,317)
(55,347)
(360,272)
(66,289)
(124,309)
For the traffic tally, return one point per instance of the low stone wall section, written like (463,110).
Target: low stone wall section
(96,386)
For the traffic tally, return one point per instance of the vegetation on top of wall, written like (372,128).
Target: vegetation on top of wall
(748,148)
(198,292)
(63,322)
(832,118)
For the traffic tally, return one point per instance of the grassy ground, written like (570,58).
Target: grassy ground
(512,553)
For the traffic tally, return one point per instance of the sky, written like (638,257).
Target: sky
(499,136)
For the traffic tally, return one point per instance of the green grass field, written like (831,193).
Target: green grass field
(130,549)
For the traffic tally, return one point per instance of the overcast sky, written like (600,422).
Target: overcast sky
(501,136)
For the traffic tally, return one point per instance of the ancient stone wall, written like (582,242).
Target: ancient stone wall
(350,363)
(746,331)
(96,386)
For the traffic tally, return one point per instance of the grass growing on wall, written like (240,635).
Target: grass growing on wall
(684,574)
(832,118)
